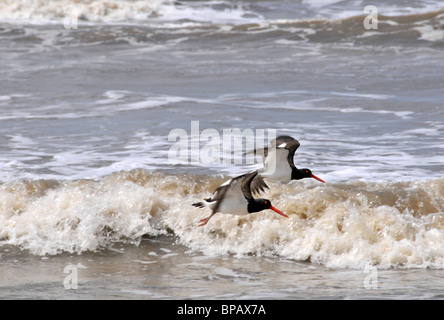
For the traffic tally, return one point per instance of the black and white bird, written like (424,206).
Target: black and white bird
(279,164)
(235,197)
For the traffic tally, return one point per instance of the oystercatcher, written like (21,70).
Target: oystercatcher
(235,197)
(279,164)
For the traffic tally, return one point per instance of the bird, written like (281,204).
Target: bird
(234,197)
(279,164)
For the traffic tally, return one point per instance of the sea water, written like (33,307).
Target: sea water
(91,90)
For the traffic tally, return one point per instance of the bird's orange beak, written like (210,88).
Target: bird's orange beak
(278,211)
(319,179)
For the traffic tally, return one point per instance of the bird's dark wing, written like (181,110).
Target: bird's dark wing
(258,184)
(247,184)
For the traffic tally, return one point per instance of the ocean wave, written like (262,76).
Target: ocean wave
(168,23)
(346,225)
(306,20)
(96,11)
(122,11)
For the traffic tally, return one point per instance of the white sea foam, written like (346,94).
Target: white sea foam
(123,11)
(74,217)
(337,225)
(180,13)
(326,148)
(430,33)
(41,11)
(332,9)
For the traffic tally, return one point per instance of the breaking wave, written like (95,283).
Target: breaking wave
(87,10)
(326,23)
(388,224)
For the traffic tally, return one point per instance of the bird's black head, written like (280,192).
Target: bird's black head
(298,174)
(256,205)
(306,173)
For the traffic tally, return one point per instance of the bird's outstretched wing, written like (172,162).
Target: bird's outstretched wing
(289,143)
(258,184)
(281,142)
(253,183)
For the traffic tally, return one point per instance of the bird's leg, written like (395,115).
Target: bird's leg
(205,220)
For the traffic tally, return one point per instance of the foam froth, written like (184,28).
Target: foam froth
(340,225)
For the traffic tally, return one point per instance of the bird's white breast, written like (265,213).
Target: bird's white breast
(276,166)
(234,201)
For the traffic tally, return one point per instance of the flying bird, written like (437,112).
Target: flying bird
(279,164)
(235,197)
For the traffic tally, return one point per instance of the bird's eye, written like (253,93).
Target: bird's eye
(265,202)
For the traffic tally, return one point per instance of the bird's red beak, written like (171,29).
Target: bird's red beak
(319,179)
(278,211)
